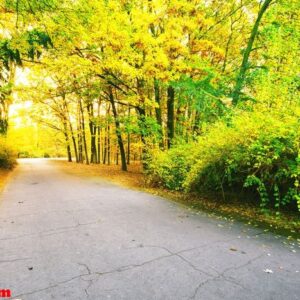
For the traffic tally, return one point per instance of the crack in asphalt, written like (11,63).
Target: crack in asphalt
(224,277)
(177,254)
(14,260)
(51,231)
(50,286)
(133,266)
(86,267)
(90,281)
(116,270)
(171,254)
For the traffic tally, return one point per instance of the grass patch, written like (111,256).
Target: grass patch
(287,224)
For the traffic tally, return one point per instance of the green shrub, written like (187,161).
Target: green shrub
(257,153)
(169,168)
(7,156)
(257,150)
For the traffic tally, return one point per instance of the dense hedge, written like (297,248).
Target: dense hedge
(257,151)
(7,156)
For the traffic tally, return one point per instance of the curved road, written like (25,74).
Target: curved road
(64,237)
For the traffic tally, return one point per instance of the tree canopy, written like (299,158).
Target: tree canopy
(132,79)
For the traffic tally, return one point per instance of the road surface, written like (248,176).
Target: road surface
(66,237)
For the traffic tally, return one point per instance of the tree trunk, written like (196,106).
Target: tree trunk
(4,111)
(99,135)
(142,116)
(106,147)
(79,136)
(4,103)
(158,112)
(75,147)
(128,141)
(67,139)
(93,134)
(3,126)
(83,132)
(108,144)
(244,66)
(68,147)
(170,114)
(71,130)
(117,158)
(118,131)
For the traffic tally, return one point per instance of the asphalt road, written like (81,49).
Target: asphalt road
(65,237)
